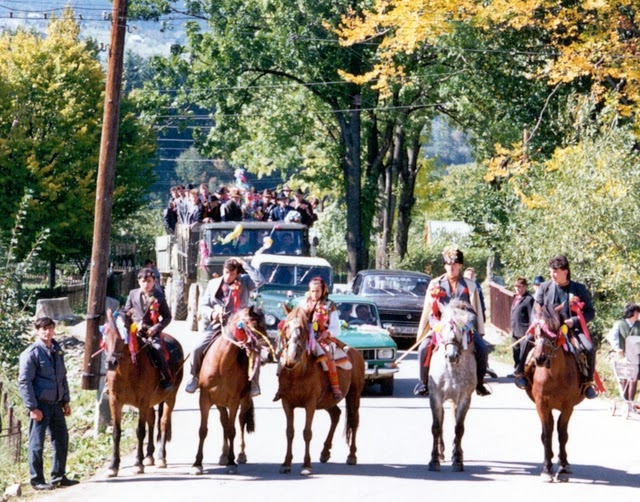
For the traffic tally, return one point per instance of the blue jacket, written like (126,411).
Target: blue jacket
(39,378)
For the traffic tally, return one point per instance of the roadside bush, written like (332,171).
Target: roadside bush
(15,302)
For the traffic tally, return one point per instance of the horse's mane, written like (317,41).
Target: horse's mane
(551,318)
(458,311)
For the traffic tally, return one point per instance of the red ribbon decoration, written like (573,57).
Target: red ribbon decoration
(576,307)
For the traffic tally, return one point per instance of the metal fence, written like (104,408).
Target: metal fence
(500,304)
(10,426)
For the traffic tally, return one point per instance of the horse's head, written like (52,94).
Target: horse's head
(294,334)
(456,326)
(115,332)
(546,334)
(247,322)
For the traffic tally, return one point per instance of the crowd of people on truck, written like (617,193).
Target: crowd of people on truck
(189,205)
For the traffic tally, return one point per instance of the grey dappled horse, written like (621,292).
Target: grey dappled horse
(452,376)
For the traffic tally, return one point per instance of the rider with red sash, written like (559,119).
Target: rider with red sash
(440,292)
(572,301)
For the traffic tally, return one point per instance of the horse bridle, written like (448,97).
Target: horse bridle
(298,342)
(547,340)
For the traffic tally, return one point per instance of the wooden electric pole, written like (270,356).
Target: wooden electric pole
(104,197)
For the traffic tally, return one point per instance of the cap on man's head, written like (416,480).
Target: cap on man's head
(452,254)
(282,195)
(537,280)
(298,192)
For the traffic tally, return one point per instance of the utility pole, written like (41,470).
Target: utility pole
(104,197)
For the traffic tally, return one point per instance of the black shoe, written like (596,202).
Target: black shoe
(64,482)
(481,390)
(521,382)
(42,487)
(590,392)
(421,389)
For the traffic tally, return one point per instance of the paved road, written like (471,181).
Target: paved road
(502,453)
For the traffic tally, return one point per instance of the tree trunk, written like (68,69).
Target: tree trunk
(407,173)
(52,274)
(357,257)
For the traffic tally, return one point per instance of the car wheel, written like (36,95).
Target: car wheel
(386,386)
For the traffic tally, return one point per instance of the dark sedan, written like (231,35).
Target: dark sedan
(399,296)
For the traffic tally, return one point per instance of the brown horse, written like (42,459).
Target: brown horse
(224,382)
(304,384)
(133,380)
(555,384)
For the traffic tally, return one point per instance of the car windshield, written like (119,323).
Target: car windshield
(294,275)
(287,242)
(355,314)
(395,285)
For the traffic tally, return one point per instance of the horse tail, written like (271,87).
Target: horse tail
(250,417)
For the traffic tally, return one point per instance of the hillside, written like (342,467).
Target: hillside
(144,38)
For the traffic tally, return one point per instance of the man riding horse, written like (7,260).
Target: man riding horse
(223,297)
(572,301)
(151,314)
(440,292)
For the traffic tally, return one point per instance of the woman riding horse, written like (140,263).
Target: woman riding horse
(303,383)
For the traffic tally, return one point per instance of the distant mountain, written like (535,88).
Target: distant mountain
(94,16)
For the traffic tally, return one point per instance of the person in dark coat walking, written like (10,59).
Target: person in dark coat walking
(43,385)
(521,310)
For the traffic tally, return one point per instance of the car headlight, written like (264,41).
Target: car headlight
(270,320)
(386,354)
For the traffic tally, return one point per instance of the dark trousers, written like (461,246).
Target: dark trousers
(54,421)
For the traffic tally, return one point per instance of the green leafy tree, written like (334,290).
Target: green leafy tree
(50,123)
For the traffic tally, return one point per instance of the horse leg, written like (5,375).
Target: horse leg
(247,423)
(285,468)
(151,426)
(437,452)
(334,414)
(116,414)
(205,405)
(546,418)
(232,467)
(224,422)
(140,434)
(307,434)
(353,421)
(457,456)
(564,469)
(164,430)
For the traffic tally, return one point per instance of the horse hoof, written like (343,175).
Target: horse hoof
(324,458)
(223,460)
(306,471)
(162,463)
(112,473)
(285,469)
(434,466)
(352,460)
(458,467)
(546,477)
(562,476)
(242,458)
(138,469)
(232,469)
(148,461)
(196,470)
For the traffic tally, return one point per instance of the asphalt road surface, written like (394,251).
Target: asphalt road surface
(502,448)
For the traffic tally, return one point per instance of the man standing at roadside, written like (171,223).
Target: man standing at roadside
(45,392)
